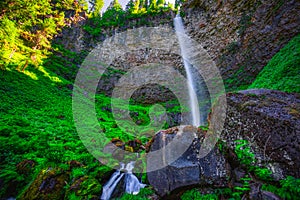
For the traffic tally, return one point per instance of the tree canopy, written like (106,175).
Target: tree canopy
(27,28)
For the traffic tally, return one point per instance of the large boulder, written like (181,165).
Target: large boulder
(270,121)
(189,169)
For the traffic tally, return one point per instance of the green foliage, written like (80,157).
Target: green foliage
(289,188)
(239,191)
(195,194)
(142,195)
(242,150)
(282,71)
(160,3)
(37,123)
(96,6)
(27,28)
(247,158)
(136,14)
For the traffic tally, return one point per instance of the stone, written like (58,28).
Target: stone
(271,125)
(188,169)
(49,184)
(85,187)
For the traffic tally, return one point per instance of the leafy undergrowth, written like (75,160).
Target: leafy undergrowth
(287,188)
(37,131)
(282,71)
(36,124)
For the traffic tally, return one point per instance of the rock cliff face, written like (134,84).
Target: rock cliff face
(242,36)
(77,39)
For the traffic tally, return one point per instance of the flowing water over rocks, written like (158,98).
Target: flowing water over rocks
(131,183)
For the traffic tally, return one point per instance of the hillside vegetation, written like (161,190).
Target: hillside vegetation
(282,71)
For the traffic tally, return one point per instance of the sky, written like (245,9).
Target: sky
(123,3)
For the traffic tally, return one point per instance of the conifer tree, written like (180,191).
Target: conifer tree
(27,28)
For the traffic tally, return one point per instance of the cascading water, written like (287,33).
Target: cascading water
(132,184)
(194,106)
(110,186)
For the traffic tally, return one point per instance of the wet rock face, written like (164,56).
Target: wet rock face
(242,36)
(188,169)
(270,121)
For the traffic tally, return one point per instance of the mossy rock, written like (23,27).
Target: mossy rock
(49,184)
(26,166)
(84,188)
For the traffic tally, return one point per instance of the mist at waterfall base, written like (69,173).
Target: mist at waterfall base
(132,184)
(198,94)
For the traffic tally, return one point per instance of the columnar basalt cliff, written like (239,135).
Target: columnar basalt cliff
(242,36)
(77,39)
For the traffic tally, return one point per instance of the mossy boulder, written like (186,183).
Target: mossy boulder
(49,184)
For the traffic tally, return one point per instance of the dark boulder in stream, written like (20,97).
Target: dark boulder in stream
(188,169)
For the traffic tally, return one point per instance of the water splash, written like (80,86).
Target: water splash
(194,106)
(132,184)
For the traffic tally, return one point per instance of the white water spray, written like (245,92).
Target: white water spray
(194,106)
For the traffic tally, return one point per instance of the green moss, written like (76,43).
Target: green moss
(195,194)
(283,70)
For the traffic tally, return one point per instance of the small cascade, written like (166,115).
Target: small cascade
(132,184)
(110,186)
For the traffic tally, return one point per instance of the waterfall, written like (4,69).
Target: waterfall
(132,184)
(194,106)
